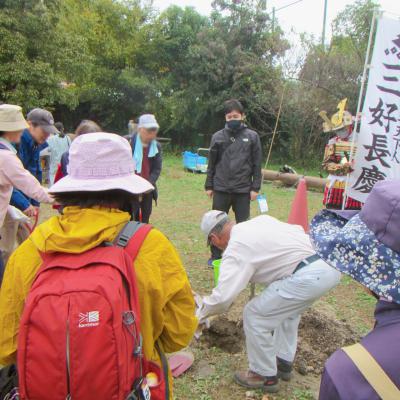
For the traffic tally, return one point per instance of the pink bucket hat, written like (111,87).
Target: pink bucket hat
(101,161)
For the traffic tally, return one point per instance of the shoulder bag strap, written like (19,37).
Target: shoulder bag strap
(372,372)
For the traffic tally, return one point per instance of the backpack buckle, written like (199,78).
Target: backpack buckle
(127,233)
(123,240)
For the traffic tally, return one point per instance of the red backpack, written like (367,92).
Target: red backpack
(79,336)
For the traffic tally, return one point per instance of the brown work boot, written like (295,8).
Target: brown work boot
(249,379)
(285,369)
(271,384)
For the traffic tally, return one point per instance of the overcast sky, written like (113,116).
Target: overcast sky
(306,16)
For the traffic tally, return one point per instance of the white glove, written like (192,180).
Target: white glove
(204,322)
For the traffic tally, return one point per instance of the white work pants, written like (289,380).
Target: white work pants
(271,319)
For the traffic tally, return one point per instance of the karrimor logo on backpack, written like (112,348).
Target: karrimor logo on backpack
(89,319)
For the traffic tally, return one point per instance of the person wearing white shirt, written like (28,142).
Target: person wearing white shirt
(280,256)
(58,145)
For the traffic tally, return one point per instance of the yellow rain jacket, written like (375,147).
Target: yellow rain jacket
(166,300)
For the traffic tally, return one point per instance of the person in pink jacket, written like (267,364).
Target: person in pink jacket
(13,174)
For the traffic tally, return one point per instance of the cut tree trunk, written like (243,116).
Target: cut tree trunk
(292,179)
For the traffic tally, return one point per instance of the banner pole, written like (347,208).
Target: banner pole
(357,123)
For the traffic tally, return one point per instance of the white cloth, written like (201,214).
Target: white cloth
(13,232)
(271,319)
(262,250)
(57,147)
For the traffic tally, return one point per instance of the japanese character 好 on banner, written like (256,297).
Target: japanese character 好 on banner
(378,143)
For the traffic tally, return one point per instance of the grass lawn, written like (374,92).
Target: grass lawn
(182,203)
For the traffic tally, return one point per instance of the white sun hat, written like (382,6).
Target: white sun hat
(98,162)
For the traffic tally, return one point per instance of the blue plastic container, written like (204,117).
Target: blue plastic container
(194,162)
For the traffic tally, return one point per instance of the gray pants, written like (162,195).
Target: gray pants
(271,319)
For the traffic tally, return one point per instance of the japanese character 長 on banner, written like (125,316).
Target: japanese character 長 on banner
(378,143)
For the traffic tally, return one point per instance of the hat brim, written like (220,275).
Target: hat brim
(131,183)
(50,129)
(13,126)
(149,126)
(353,249)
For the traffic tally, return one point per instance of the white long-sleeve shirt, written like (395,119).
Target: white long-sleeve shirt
(261,250)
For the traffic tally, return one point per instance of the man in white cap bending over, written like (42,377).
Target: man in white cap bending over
(280,256)
(148,159)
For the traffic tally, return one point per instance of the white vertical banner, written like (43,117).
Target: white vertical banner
(378,142)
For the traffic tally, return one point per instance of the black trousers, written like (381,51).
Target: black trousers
(240,203)
(146,207)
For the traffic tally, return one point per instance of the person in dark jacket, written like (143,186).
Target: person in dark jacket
(234,166)
(366,247)
(148,160)
(33,141)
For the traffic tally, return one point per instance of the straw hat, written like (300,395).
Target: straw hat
(11,118)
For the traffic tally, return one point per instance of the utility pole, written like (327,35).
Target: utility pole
(324,24)
(273,19)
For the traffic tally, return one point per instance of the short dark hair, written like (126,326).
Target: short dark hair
(59,126)
(119,199)
(87,126)
(233,105)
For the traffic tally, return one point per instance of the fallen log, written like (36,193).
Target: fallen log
(292,179)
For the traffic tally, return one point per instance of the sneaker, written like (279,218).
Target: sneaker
(249,379)
(209,262)
(285,369)
(271,384)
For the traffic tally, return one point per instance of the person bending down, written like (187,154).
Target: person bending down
(281,257)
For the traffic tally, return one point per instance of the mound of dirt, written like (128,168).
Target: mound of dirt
(225,334)
(320,335)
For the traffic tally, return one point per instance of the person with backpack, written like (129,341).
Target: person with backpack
(13,175)
(92,302)
(148,160)
(234,167)
(366,246)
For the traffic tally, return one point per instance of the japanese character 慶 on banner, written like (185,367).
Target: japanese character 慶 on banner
(378,143)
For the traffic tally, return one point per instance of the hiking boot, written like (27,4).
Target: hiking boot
(271,384)
(249,379)
(285,369)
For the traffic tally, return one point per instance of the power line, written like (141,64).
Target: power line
(288,5)
(274,10)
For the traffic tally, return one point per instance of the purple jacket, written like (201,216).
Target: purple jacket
(342,380)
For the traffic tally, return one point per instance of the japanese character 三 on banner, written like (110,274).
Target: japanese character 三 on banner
(378,142)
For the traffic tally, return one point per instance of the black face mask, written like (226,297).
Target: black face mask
(234,124)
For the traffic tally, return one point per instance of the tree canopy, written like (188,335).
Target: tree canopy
(111,60)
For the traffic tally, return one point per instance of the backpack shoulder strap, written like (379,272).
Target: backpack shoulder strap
(132,237)
(372,372)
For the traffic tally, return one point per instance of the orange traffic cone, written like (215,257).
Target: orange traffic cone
(299,212)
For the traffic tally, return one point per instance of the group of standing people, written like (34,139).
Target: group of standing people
(27,140)
(103,183)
